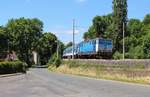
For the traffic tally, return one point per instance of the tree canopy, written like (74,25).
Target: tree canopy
(47,47)
(137,37)
(3,39)
(24,35)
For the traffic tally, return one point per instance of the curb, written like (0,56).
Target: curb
(8,75)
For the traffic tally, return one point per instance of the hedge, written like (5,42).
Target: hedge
(7,67)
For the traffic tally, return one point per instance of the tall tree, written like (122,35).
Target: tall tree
(47,47)
(135,27)
(146,46)
(25,34)
(100,27)
(146,20)
(90,34)
(68,44)
(120,18)
(3,39)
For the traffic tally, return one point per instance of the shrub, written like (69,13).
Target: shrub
(117,55)
(135,53)
(52,59)
(55,60)
(12,67)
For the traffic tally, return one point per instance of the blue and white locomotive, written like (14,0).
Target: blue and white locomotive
(94,48)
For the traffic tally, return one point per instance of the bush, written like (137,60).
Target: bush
(12,67)
(117,55)
(135,53)
(52,59)
(55,60)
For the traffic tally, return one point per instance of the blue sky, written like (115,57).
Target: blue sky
(57,15)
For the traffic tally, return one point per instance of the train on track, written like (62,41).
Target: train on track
(90,49)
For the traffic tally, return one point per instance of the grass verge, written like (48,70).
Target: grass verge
(135,74)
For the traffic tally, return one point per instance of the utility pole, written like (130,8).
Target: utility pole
(123,41)
(8,39)
(73,39)
(57,49)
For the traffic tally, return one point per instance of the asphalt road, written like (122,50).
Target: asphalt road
(41,83)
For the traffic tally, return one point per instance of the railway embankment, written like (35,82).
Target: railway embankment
(135,71)
(127,62)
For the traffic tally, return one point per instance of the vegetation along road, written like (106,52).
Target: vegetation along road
(42,83)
